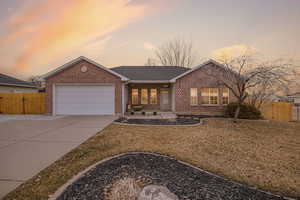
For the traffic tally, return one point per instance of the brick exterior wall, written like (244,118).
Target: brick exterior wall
(94,74)
(197,79)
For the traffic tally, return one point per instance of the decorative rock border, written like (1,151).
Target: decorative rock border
(149,124)
(184,180)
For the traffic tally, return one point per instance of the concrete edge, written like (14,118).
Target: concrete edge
(61,189)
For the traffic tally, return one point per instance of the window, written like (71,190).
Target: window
(134,96)
(194,96)
(213,95)
(225,96)
(153,96)
(205,95)
(144,99)
(210,96)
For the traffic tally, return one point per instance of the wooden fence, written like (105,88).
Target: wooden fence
(282,111)
(296,113)
(22,103)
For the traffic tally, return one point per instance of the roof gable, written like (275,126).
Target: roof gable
(11,81)
(196,68)
(82,58)
(150,73)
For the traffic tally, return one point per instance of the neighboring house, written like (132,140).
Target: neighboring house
(9,84)
(295,97)
(84,87)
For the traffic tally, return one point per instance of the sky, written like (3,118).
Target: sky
(37,36)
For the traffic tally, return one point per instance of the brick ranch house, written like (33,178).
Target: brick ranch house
(84,87)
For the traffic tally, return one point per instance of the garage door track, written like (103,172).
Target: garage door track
(29,144)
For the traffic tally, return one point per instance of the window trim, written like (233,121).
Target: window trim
(227,97)
(209,95)
(156,96)
(204,104)
(137,96)
(147,96)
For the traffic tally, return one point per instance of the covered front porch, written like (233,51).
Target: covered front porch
(149,97)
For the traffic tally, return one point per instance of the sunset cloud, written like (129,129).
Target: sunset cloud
(233,51)
(53,28)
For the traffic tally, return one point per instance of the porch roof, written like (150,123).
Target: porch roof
(150,74)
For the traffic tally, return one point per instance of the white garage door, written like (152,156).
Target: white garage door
(84,100)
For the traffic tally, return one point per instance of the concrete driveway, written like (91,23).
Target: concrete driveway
(30,143)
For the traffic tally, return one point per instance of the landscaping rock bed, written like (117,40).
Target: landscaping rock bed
(177,121)
(138,170)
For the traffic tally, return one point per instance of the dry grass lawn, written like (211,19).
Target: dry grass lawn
(260,154)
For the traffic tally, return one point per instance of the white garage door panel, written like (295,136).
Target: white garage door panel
(84,100)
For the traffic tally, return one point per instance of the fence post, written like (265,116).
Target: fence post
(298,113)
(0,104)
(23,104)
(272,110)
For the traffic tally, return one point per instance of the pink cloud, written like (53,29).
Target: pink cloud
(54,27)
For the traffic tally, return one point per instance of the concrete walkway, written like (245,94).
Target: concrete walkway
(29,145)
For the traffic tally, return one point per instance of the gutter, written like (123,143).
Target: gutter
(150,81)
(19,85)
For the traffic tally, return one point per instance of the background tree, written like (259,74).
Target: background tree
(176,52)
(151,62)
(244,74)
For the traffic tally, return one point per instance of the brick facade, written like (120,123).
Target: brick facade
(181,90)
(94,74)
(197,79)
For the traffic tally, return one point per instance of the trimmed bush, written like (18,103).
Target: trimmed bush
(246,112)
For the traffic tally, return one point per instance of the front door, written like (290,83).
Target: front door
(164,99)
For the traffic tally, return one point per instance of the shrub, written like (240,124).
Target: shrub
(246,112)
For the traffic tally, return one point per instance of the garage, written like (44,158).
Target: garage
(84,100)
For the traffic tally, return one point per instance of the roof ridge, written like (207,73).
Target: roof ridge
(145,67)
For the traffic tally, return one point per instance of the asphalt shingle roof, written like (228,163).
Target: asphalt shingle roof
(150,72)
(8,80)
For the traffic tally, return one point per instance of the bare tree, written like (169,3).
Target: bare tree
(259,95)
(176,52)
(243,74)
(151,62)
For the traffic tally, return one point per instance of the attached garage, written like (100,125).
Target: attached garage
(84,100)
(84,87)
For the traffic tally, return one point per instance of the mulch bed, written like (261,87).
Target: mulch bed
(178,121)
(186,182)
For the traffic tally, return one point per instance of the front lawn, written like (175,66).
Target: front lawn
(261,154)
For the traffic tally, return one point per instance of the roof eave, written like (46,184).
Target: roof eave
(149,81)
(19,85)
(68,64)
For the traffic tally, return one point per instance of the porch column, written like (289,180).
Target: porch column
(173,96)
